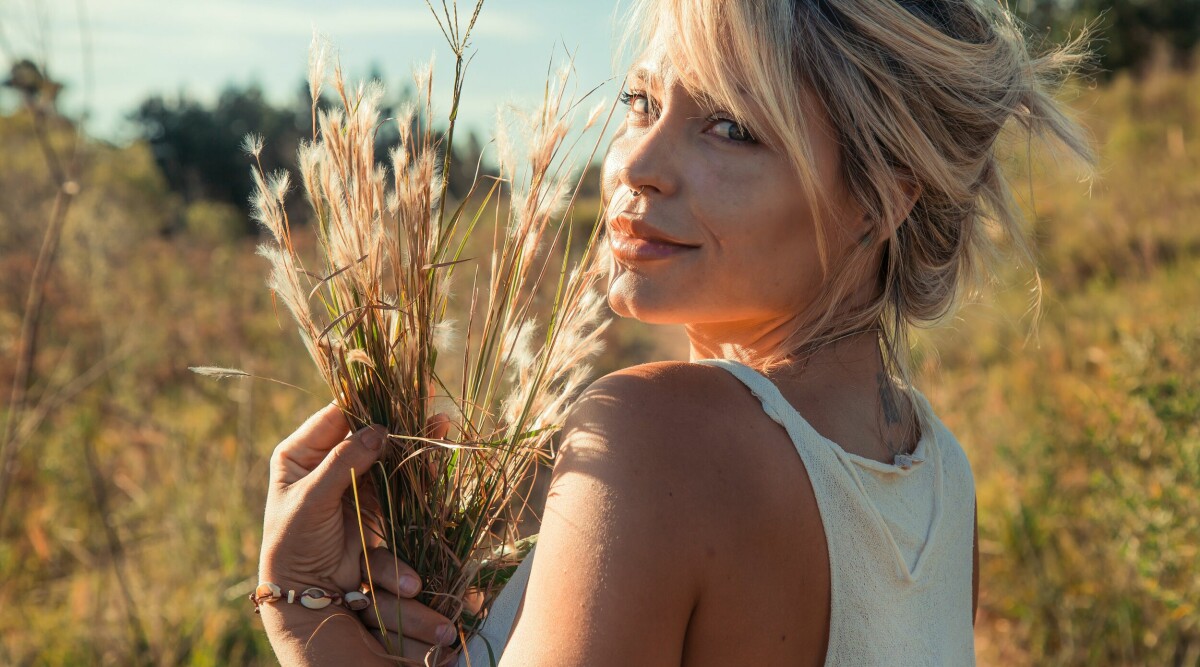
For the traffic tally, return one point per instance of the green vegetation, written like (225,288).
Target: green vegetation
(131,532)
(1085,437)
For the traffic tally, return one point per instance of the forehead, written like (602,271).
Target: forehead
(653,67)
(656,70)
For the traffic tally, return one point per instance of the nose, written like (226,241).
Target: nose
(641,161)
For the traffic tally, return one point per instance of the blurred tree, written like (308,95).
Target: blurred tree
(1130,32)
(198,146)
(38,90)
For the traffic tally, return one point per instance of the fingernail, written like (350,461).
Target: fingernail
(446,634)
(409,585)
(373,438)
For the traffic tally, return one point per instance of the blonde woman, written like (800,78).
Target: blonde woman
(797,183)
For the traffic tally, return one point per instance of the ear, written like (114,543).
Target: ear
(908,192)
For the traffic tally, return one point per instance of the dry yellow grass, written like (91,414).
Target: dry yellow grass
(1084,447)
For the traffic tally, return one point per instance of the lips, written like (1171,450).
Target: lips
(632,239)
(637,228)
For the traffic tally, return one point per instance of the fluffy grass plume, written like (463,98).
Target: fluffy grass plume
(374,315)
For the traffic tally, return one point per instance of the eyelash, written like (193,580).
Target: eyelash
(627,98)
(749,135)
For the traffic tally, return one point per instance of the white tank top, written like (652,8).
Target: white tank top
(900,545)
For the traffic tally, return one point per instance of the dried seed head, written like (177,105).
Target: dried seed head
(370,97)
(278,184)
(318,58)
(218,372)
(517,347)
(252,144)
(265,207)
(505,157)
(445,335)
(357,356)
(423,76)
(594,114)
(284,280)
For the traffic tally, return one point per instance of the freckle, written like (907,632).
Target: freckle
(710,551)
(782,637)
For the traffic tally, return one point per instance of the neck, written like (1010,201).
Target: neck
(849,357)
(844,379)
(744,341)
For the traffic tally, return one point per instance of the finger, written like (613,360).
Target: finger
(473,601)
(413,649)
(307,446)
(367,500)
(439,426)
(408,617)
(348,458)
(368,510)
(390,640)
(392,574)
(360,529)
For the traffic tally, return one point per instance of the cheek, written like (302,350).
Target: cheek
(767,242)
(614,162)
(760,221)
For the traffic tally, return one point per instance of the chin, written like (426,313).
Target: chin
(642,305)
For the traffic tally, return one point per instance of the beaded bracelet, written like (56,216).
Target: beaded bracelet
(311,598)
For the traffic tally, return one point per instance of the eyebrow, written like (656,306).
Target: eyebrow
(654,71)
(654,81)
(646,75)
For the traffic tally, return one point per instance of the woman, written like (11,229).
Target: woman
(796,183)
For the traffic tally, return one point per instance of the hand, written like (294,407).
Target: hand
(394,610)
(310,531)
(311,528)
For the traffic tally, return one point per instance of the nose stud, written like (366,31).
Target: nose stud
(635,193)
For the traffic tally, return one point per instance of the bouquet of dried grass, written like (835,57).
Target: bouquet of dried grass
(374,317)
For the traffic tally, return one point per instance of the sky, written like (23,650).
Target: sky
(136,48)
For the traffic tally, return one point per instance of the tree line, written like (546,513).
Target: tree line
(196,144)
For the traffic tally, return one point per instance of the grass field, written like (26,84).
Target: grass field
(132,529)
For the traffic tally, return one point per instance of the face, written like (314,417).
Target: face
(721,231)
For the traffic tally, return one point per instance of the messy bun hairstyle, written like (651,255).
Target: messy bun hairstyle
(919,91)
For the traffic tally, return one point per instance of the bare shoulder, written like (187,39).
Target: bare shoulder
(651,400)
(647,432)
(694,431)
(665,382)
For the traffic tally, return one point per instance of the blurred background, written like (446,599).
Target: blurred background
(131,490)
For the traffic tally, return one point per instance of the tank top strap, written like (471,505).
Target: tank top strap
(773,402)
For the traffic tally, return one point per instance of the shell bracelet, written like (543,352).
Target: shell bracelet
(311,598)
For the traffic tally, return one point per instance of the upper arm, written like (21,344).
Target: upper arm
(610,584)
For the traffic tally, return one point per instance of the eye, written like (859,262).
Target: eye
(637,102)
(731,131)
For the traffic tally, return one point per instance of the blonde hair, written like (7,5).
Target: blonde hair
(918,92)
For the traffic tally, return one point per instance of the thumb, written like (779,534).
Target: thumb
(350,457)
